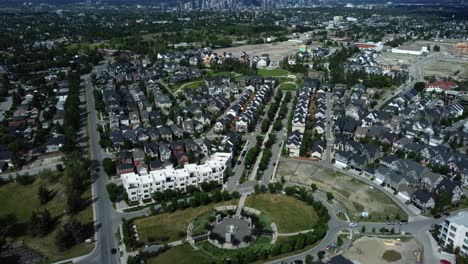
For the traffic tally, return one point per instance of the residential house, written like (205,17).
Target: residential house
(164,152)
(449,186)
(165,133)
(151,150)
(423,199)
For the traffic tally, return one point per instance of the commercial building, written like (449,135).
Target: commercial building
(369,45)
(454,231)
(410,50)
(141,186)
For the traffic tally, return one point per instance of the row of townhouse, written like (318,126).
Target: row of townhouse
(249,116)
(454,232)
(319,124)
(225,121)
(299,121)
(141,186)
(414,182)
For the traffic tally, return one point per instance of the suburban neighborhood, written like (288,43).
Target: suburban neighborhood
(214,131)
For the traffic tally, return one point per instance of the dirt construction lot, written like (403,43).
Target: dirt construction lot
(277,51)
(351,195)
(373,250)
(457,69)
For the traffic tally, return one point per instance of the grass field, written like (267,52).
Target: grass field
(193,85)
(187,85)
(272,73)
(289,214)
(23,200)
(200,221)
(169,227)
(183,254)
(215,74)
(288,86)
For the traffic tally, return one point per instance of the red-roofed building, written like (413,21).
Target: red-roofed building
(369,45)
(441,86)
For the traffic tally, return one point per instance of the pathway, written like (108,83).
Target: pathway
(295,233)
(241,205)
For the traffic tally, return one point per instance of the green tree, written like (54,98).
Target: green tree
(330,196)
(419,86)
(321,254)
(41,223)
(72,233)
(44,195)
(314,187)
(74,202)
(339,241)
(115,192)
(109,166)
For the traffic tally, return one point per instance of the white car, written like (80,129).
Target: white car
(352,224)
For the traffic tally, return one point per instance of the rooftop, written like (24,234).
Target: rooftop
(460,219)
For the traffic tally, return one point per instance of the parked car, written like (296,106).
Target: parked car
(352,224)
(437,216)
(443,261)
(390,223)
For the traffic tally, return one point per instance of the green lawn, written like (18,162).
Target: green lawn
(288,86)
(272,73)
(200,222)
(23,200)
(183,254)
(289,214)
(282,80)
(187,85)
(215,74)
(169,227)
(194,84)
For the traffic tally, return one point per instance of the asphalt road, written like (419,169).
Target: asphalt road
(106,220)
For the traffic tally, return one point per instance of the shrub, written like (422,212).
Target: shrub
(25,179)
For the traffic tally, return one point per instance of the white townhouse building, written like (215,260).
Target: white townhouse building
(455,231)
(142,186)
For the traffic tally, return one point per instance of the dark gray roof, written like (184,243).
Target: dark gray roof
(422,195)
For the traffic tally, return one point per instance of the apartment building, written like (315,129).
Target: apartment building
(142,186)
(455,231)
